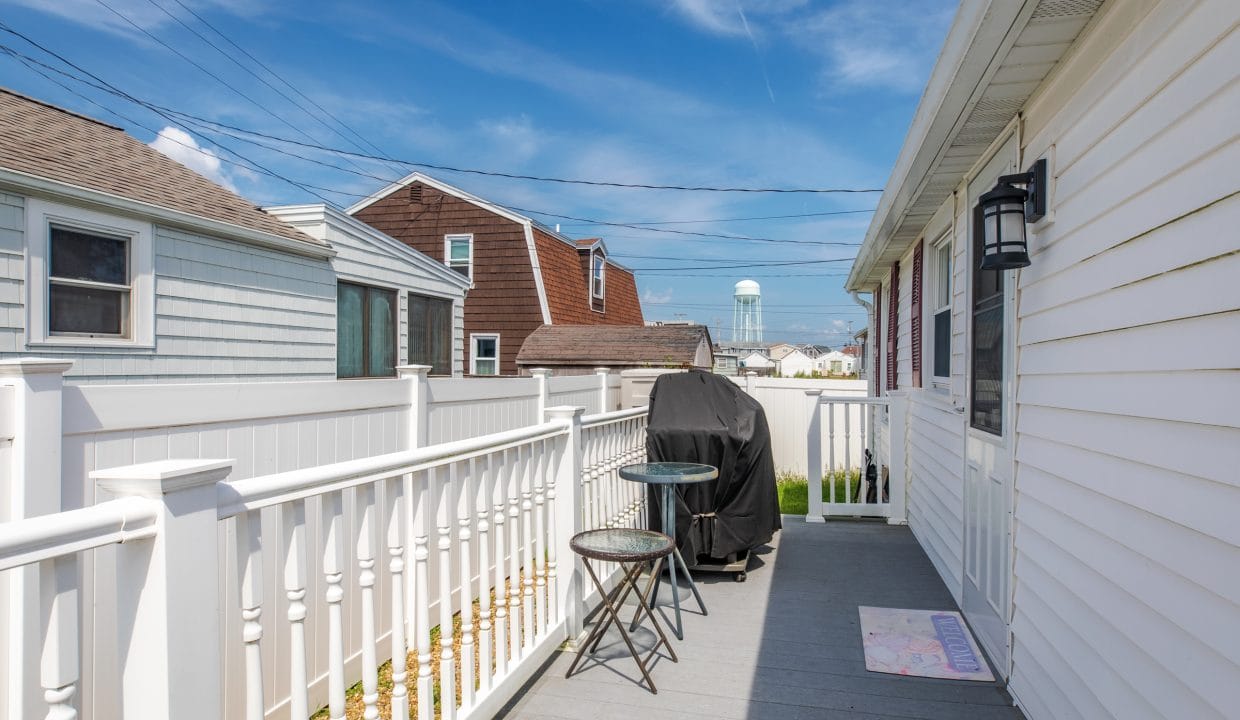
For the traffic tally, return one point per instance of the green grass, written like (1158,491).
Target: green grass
(794,490)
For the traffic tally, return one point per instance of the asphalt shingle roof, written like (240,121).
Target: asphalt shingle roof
(56,144)
(612,344)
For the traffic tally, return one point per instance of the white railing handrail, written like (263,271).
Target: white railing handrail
(238,496)
(589,421)
(855,399)
(23,542)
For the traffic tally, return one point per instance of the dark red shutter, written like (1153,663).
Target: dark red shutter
(878,340)
(893,324)
(915,318)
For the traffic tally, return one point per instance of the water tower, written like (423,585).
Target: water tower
(747,312)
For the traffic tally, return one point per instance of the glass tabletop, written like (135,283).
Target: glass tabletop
(621,544)
(669,473)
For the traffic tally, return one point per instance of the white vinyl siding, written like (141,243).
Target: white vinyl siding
(1126,543)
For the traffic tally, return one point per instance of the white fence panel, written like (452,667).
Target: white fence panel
(578,391)
(461,408)
(783,400)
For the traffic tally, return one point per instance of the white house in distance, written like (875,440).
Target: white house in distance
(1077,492)
(756,361)
(835,363)
(140,270)
(796,361)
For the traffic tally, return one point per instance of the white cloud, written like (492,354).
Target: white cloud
(517,136)
(657,297)
(710,16)
(181,146)
(141,13)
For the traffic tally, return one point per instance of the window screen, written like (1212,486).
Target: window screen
(88,283)
(365,331)
(986,383)
(430,333)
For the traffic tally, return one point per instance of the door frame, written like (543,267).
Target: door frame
(1007,144)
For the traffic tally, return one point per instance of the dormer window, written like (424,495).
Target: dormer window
(598,272)
(458,253)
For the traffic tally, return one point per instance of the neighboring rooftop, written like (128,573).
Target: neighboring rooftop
(52,143)
(615,346)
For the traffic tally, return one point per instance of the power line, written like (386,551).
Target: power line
(251,164)
(633,226)
(281,78)
(777,263)
(535,178)
(716,220)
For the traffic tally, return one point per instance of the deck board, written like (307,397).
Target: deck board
(785,644)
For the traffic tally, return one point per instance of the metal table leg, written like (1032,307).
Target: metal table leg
(652,588)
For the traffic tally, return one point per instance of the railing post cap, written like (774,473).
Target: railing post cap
(18,367)
(817,391)
(565,412)
(602,371)
(161,477)
(540,372)
(407,371)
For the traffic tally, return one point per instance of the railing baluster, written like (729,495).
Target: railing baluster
(502,646)
(250,562)
(482,505)
(59,672)
(867,412)
(333,574)
(553,611)
(364,507)
(422,602)
(396,566)
(540,538)
(848,491)
(526,479)
(831,465)
(444,485)
(464,516)
(512,484)
(293,535)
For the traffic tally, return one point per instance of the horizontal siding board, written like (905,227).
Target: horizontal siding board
(1145,348)
(1207,397)
(1150,669)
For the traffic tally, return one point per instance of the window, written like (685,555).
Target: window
(92,281)
(986,378)
(458,252)
(941,308)
(365,331)
(484,358)
(598,267)
(88,283)
(430,333)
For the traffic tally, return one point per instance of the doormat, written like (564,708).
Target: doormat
(926,643)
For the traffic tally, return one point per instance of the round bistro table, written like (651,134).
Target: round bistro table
(667,475)
(631,548)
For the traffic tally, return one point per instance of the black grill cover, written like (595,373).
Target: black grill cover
(705,418)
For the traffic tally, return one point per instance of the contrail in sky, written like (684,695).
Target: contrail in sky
(761,64)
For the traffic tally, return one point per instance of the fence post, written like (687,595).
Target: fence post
(419,392)
(543,376)
(570,588)
(751,379)
(603,374)
(168,594)
(897,463)
(34,487)
(813,463)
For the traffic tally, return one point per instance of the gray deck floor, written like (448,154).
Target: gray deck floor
(784,644)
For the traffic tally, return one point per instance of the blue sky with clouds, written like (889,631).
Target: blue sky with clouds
(754,93)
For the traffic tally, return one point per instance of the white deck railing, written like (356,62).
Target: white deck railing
(479,525)
(842,429)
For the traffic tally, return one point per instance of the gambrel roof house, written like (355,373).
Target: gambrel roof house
(1077,492)
(140,270)
(524,275)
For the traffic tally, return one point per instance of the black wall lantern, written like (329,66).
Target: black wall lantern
(1005,210)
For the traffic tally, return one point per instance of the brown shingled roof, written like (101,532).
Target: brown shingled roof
(566,281)
(613,345)
(56,144)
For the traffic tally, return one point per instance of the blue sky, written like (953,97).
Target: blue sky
(755,93)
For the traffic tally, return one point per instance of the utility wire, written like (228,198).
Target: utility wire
(643,223)
(535,178)
(779,263)
(281,78)
(251,164)
(256,76)
(687,232)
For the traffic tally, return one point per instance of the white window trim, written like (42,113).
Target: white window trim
(473,351)
(598,291)
(447,251)
(940,383)
(40,215)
